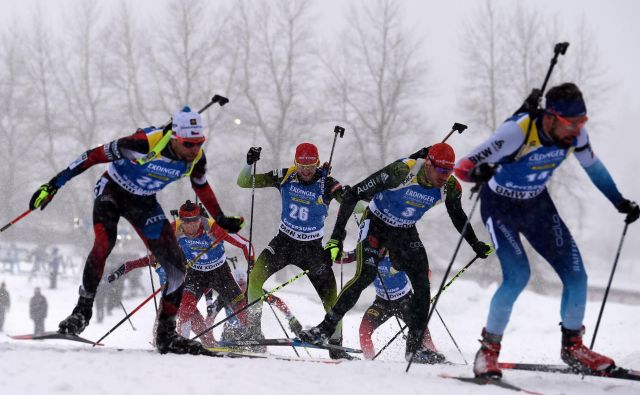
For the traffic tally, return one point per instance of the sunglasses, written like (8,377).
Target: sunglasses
(306,167)
(191,144)
(442,170)
(190,219)
(568,124)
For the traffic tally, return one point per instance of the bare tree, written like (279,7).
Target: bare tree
(484,57)
(17,136)
(275,66)
(132,50)
(376,77)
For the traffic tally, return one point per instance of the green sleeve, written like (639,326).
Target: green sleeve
(458,217)
(263,180)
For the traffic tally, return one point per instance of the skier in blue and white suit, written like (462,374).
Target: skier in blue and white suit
(517,161)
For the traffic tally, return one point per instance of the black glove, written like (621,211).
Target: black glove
(42,196)
(116,275)
(630,208)
(482,249)
(482,173)
(230,224)
(253,155)
(421,154)
(295,326)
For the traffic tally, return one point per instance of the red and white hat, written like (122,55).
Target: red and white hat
(307,154)
(187,125)
(189,211)
(442,155)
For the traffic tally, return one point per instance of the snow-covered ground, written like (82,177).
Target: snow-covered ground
(63,367)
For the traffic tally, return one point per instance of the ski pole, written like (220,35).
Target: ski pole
(444,279)
(431,301)
(153,286)
(128,315)
(452,339)
(389,342)
(253,196)
(337,131)
(16,219)
(606,292)
(221,100)
(263,297)
(283,330)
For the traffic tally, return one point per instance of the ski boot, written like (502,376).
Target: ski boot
(340,354)
(426,356)
(486,361)
(318,334)
(575,354)
(168,340)
(79,318)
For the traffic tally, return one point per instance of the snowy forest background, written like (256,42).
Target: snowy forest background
(78,73)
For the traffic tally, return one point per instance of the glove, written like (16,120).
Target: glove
(482,173)
(42,196)
(116,275)
(482,249)
(230,224)
(630,208)
(348,257)
(326,167)
(295,326)
(421,154)
(333,249)
(253,155)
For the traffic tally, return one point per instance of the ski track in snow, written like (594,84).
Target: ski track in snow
(64,367)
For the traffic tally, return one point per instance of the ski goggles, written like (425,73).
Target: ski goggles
(577,124)
(441,170)
(312,166)
(188,143)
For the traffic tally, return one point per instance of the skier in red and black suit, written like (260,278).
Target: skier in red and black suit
(141,165)
(208,267)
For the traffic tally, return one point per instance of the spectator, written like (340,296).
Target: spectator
(38,311)
(5,303)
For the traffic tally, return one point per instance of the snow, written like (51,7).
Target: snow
(62,367)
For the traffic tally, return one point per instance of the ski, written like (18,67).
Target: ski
(276,357)
(55,335)
(616,372)
(286,343)
(489,381)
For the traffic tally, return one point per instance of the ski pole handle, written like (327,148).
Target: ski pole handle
(457,127)
(215,99)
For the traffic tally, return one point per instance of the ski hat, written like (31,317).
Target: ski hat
(187,125)
(565,100)
(442,155)
(307,154)
(189,212)
(566,108)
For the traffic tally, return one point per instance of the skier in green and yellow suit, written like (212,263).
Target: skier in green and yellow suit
(306,191)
